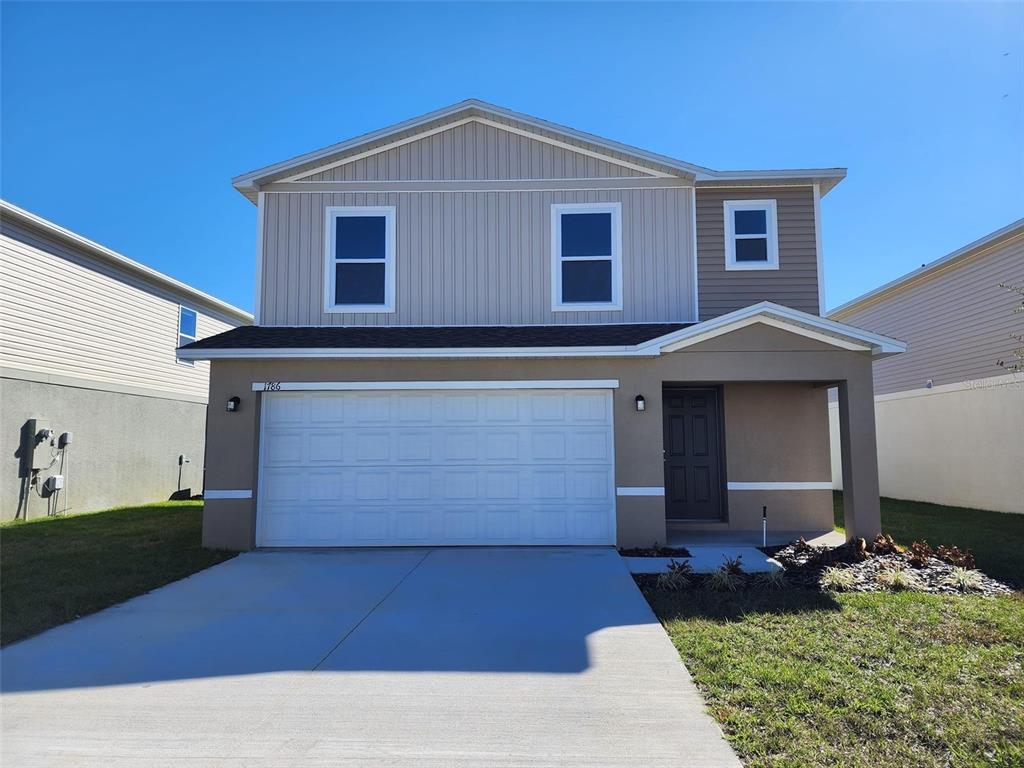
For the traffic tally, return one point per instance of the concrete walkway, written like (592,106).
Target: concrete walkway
(446,657)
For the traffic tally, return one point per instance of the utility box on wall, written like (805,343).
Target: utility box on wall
(35,448)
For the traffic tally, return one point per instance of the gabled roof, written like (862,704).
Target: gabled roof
(619,340)
(950,260)
(105,255)
(474,109)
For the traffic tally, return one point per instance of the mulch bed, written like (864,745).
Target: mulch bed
(655,552)
(804,565)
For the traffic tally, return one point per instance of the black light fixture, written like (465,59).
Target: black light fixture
(641,404)
(233,403)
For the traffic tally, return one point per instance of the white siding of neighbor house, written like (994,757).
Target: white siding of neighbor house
(65,314)
(480,258)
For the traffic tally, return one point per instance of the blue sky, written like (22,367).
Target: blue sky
(126,121)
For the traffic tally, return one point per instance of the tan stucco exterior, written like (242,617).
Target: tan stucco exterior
(776,425)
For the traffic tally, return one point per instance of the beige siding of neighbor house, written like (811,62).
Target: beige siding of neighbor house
(960,441)
(793,284)
(474,151)
(65,316)
(956,322)
(479,258)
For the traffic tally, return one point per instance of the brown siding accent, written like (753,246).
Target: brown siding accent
(474,151)
(794,284)
(956,322)
(480,258)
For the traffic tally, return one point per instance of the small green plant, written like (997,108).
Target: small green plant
(722,580)
(771,580)
(733,565)
(838,579)
(678,576)
(964,579)
(899,580)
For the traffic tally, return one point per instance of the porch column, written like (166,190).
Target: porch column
(862,512)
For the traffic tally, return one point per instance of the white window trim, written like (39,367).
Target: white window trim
(179,334)
(557,305)
(768,206)
(333,212)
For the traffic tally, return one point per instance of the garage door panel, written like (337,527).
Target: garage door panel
(445,467)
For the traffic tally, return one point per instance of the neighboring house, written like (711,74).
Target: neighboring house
(88,344)
(950,419)
(477,327)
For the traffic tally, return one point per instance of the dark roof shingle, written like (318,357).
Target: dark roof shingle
(446,337)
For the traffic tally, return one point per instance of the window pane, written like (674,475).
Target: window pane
(359,284)
(754,249)
(359,237)
(183,340)
(586,281)
(751,222)
(586,234)
(187,322)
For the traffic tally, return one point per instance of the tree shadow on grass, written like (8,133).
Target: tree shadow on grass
(709,605)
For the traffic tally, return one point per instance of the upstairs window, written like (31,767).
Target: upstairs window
(751,235)
(187,319)
(586,246)
(360,269)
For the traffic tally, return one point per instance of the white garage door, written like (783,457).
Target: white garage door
(387,468)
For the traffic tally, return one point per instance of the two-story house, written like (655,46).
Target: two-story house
(477,327)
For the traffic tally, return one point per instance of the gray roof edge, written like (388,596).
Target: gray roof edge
(1010,231)
(109,256)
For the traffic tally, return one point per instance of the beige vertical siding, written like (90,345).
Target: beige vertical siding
(956,322)
(479,258)
(474,151)
(64,314)
(794,284)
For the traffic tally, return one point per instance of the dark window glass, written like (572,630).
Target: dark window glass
(359,283)
(183,340)
(359,237)
(751,222)
(754,249)
(586,281)
(586,234)
(187,323)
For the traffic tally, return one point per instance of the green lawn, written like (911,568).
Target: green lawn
(995,538)
(798,679)
(55,569)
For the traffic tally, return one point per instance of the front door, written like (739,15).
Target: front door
(693,454)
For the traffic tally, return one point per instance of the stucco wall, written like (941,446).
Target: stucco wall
(775,419)
(125,448)
(960,445)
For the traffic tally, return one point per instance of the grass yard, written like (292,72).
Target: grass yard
(995,538)
(55,569)
(798,679)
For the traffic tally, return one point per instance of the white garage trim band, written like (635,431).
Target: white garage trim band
(772,486)
(342,386)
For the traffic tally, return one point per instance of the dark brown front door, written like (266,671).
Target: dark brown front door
(693,454)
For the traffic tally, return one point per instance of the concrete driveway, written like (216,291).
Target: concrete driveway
(444,657)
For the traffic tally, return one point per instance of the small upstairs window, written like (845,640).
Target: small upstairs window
(187,319)
(586,247)
(360,261)
(751,235)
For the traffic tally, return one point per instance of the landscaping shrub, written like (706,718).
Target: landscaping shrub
(920,553)
(770,580)
(956,556)
(838,579)
(964,579)
(678,576)
(899,580)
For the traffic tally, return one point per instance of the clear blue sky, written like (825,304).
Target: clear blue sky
(126,121)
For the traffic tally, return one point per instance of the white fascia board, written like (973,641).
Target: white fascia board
(374,386)
(788,319)
(413,353)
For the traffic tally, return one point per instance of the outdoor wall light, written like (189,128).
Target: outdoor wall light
(641,404)
(233,403)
